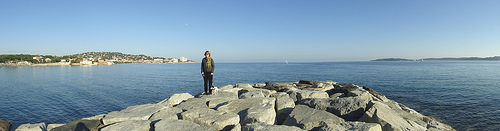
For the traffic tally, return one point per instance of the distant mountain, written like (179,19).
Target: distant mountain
(392,59)
(495,58)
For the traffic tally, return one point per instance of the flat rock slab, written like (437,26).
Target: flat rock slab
(176,99)
(79,125)
(284,106)
(266,127)
(252,109)
(218,120)
(138,112)
(386,117)
(352,126)
(193,103)
(172,113)
(349,108)
(32,127)
(179,125)
(309,118)
(134,125)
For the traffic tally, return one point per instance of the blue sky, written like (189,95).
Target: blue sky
(254,31)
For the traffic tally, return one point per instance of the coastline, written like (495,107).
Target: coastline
(75,64)
(278,106)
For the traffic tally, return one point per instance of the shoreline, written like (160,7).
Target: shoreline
(263,106)
(73,64)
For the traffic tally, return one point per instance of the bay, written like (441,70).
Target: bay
(463,94)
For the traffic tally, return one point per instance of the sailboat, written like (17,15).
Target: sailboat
(286,61)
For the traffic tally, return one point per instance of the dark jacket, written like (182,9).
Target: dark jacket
(204,67)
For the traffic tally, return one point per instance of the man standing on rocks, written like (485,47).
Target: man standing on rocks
(207,71)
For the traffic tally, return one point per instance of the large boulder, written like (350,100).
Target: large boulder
(352,126)
(387,118)
(243,85)
(252,109)
(179,125)
(278,86)
(250,94)
(349,108)
(133,125)
(193,103)
(79,125)
(4,125)
(50,127)
(284,106)
(176,99)
(172,113)
(257,126)
(298,95)
(343,88)
(221,94)
(308,118)
(218,120)
(32,127)
(138,112)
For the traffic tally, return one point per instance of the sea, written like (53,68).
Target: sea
(462,94)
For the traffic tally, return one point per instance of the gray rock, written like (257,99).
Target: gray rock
(193,103)
(284,106)
(226,87)
(344,88)
(308,118)
(242,107)
(221,95)
(352,126)
(134,125)
(259,85)
(32,127)
(386,117)
(250,94)
(176,99)
(218,120)
(52,126)
(361,93)
(172,113)
(79,125)
(97,117)
(264,113)
(243,85)
(138,112)
(321,87)
(336,95)
(278,86)
(216,103)
(179,125)
(265,127)
(349,108)
(299,95)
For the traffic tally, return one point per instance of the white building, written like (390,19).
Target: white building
(182,59)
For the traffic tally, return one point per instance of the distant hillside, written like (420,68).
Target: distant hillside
(495,58)
(114,55)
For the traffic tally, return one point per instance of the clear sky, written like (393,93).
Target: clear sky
(254,30)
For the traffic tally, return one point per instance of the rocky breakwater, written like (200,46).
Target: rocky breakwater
(304,105)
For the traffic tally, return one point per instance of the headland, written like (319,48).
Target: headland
(303,105)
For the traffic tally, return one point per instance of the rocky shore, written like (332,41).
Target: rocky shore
(303,105)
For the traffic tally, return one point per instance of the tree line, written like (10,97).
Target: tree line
(29,58)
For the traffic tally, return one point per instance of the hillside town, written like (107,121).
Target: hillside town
(88,58)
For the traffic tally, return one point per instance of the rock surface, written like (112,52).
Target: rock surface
(290,106)
(309,118)
(4,125)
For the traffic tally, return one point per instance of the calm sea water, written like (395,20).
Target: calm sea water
(463,94)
